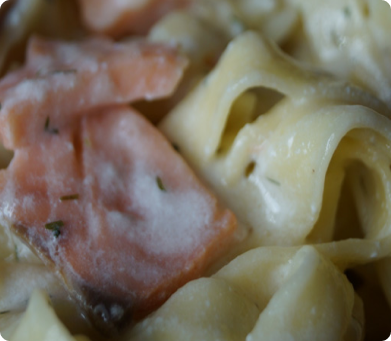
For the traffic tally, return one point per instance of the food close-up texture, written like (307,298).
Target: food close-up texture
(195,170)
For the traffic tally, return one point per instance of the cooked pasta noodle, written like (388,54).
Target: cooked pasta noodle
(264,294)
(50,18)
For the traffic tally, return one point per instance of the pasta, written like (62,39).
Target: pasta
(265,294)
(268,133)
(354,41)
(42,326)
(284,112)
(53,19)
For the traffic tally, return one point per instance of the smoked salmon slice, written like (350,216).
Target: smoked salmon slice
(94,188)
(113,208)
(61,80)
(118,17)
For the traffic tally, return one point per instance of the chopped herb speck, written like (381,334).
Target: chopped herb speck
(48,129)
(16,253)
(55,72)
(175,146)
(87,142)
(250,169)
(5,312)
(70,197)
(160,184)
(38,73)
(347,12)
(47,123)
(55,226)
(275,182)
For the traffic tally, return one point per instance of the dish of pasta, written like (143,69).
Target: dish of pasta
(195,170)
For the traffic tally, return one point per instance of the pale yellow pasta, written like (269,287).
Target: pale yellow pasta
(200,40)
(281,160)
(12,33)
(51,18)
(351,39)
(9,322)
(40,323)
(19,278)
(291,146)
(13,249)
(205,309)
(264,294)
(18,281)
(203,30)
(274,18)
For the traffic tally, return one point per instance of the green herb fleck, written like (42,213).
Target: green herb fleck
(16,253)
(69,197)
(0,106)
(5,312)
(174,145)
(55,226)
(160,184)
(48,129)
(275,182)
(47,123)
(347,12)
(87,142)
(250,169)
(70,71)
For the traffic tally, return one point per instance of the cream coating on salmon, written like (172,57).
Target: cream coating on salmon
(118,17)
(128,240)
(96,190)
(61,80)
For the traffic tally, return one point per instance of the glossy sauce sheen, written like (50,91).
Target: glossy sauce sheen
(133,222)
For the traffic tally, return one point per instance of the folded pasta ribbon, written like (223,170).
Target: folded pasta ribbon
(265,294)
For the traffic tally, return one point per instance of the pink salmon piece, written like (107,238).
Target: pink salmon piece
(130,222)
(64,80)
